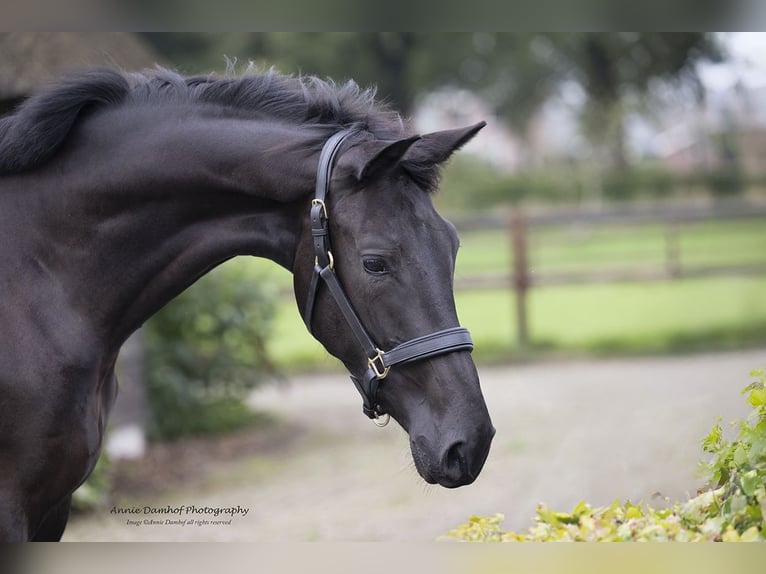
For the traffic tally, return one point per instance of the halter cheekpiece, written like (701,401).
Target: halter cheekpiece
(378,362)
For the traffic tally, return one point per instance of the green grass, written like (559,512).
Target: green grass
(622,318)
(663,317)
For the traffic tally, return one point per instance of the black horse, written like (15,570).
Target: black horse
(118,191)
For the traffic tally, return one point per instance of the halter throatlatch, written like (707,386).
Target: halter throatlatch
(378,362)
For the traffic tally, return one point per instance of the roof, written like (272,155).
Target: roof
(29,60)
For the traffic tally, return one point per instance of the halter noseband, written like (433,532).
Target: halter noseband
(379,362)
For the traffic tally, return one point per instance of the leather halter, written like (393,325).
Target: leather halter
(379,362)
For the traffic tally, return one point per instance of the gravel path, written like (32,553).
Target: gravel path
(566,431)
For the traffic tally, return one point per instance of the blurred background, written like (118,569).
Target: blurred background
(612,225)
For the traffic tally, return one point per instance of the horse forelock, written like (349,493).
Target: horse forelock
(37,129)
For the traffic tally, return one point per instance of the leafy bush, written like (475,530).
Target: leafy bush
(205,350)
(640,182)
(733,507)
(726,182)
(471,185)
(94,493)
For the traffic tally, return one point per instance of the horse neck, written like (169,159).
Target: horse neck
(152,200)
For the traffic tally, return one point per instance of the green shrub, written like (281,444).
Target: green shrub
(470,184)
(733,507)
(95,491)
(637,182)
(205,350)
(726,182)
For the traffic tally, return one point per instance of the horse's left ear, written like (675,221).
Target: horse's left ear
(437,147)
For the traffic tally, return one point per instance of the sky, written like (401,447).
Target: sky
(747,62)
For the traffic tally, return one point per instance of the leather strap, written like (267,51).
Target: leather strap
(336,290)
(308,312)
(439,343)
(379,362)
(320,232)
(446,341)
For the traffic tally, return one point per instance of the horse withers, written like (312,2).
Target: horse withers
(117,191)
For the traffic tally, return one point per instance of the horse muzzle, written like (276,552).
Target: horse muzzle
(456,463)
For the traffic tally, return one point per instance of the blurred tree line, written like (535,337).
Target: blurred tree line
(516,73)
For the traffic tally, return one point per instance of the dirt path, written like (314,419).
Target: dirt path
(565,432)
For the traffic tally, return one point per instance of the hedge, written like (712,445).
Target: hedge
(731,508)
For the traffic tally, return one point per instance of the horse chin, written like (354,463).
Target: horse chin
(442,480)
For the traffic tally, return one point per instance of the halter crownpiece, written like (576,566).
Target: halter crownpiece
(379,363)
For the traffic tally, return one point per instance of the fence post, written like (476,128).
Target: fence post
(672,248)
(518,225)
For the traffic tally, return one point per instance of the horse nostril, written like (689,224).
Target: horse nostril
(454,460)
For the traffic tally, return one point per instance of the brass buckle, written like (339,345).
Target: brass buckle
(382,372)
(329,256)
(316,201)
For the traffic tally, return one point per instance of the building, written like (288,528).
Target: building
(30,60)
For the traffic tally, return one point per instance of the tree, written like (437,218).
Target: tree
(402,65)
(515,72)
(613,68)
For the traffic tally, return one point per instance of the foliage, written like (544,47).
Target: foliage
(732,509)
(472,185)
(400,64)
(94,492)
(205,350)
(516,72)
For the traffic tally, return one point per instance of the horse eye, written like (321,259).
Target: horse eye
(374,265)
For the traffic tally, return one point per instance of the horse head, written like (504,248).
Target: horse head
(393,257)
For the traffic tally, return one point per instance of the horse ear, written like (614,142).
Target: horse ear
(384,156)
(437,147)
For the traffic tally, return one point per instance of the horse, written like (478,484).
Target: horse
(119,190)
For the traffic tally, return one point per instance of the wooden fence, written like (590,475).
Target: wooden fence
(519,225)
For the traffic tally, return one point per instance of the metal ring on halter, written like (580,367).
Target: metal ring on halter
(330,257)
(379,374)
(378,418)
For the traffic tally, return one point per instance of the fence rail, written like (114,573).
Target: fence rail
(521,276)
(621,215)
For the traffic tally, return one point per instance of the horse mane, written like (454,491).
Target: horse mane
(38,128)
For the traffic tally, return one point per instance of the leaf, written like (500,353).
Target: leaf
(581,508)
(730,535)
(712,442)
(712,526)
(750,482)
(740,455)
(547,515)
(750,535)
(738,503)
(633,512)
(757,397)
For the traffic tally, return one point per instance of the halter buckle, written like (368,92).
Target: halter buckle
(321,203)
(382,371)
